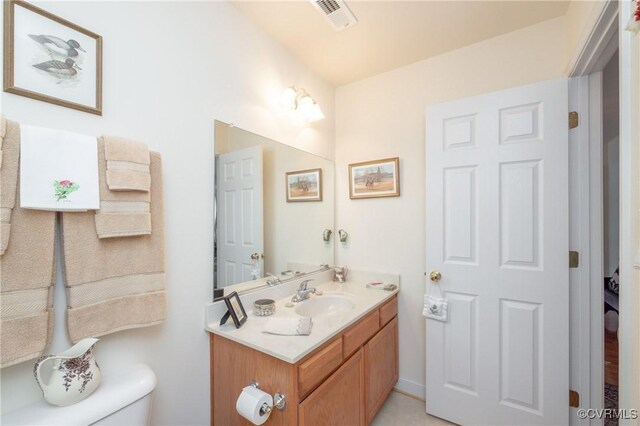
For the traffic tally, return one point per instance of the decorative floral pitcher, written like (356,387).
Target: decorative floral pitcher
(74,377)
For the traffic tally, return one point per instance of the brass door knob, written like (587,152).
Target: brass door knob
(256,256)
(435,276)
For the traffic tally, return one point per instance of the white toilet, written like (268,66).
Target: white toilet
(123,398)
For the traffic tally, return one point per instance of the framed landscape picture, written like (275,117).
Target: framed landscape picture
(304,185)
(371,179)
(51,59)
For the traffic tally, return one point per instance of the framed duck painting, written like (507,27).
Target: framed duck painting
(51,59)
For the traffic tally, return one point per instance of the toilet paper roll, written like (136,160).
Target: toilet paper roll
(250,402)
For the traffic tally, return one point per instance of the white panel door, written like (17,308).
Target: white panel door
(497,231)
(240,216)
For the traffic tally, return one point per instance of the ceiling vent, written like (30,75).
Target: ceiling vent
(336,12)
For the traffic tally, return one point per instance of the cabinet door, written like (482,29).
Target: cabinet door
(339,401)
(381,367)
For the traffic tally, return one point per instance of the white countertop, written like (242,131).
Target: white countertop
(293,348)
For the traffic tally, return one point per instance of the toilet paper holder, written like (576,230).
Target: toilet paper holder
(278,400)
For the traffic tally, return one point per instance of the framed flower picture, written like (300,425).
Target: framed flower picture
(51,59)
(372,179)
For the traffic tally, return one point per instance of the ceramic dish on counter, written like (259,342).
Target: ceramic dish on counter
(264,307)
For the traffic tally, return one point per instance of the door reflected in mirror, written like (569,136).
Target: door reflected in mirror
(261,226)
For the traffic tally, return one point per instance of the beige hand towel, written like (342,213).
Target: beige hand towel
(115,284)
(8,178)
(25,338)
(122,213)
(26,288)
(3,131)
(27,272)
(127,164)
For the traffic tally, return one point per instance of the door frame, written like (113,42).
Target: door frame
(629,330)
(585,235)
(587,343)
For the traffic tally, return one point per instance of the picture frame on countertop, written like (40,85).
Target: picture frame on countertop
(235,310)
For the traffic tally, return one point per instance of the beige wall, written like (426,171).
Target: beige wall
(580,18)
(384,116)
(293,231)
(170,68)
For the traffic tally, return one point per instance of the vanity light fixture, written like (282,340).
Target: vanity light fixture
(299,100)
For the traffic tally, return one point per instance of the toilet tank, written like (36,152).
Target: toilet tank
(123,397)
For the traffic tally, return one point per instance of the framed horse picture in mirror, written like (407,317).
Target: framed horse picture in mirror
(304,185)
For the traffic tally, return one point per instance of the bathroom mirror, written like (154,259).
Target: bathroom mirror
(274,209)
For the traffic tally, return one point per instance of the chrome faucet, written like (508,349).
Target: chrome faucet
(303,292)
(273,280)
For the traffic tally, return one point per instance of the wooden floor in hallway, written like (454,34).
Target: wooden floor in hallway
(611,358)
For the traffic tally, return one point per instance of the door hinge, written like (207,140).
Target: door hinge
(574,120)
(574,259)
(574,398)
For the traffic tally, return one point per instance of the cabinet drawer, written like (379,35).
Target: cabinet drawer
(339,401)
(388,311)
(314,370)
(360,333)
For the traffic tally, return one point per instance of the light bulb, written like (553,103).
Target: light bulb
(305,106)
(316,114)
(288,98)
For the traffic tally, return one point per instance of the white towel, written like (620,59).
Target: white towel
(58,170)
(435,308)
(289,326)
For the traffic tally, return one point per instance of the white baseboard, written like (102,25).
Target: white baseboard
(416,389)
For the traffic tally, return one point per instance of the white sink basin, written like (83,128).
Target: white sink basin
(328,305)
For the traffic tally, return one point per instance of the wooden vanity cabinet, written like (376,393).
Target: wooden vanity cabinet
(381,366)
(233,366)
(343,382)
(340,399)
